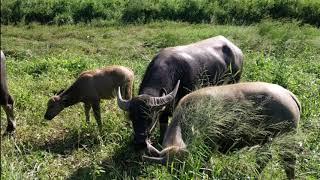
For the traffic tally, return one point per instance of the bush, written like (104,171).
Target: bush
(38,11)
(63,19)
(140,11)
(194,11)
(11,12)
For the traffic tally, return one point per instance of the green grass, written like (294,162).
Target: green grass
(43,59)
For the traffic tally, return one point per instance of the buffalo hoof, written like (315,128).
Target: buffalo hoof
(9,133)
(139,146)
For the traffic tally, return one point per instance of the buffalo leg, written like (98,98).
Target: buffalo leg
(97,113)
(163,119)
(288,163)
(10,118)
(87,108)
(263,157)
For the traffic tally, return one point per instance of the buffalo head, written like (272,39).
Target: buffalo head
(143,110)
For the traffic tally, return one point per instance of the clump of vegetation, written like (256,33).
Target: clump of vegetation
(210,120)
(135,11)
(211,126)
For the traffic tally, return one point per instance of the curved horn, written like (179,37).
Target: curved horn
(159,160)
(164,100)
(123,104)
(152,149)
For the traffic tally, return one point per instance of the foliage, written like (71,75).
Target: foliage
(136,11)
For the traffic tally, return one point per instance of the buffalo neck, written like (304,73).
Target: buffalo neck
(159,77)
(151,91)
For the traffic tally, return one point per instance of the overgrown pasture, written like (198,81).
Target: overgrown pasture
(43,59)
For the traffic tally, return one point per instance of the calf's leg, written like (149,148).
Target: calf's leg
(97,113)
(163,119)
(87,107)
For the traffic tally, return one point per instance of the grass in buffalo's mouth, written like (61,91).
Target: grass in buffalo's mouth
(43,59)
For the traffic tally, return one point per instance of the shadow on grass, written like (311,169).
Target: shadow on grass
(125,163)
(72,142)
(64,142)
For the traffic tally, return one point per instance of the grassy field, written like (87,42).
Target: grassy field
(43,59)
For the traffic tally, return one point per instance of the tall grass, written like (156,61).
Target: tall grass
(194,11)
(212,125)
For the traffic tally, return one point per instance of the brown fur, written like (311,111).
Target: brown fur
(90,88)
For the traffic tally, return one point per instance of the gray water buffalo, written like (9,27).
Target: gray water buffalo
(277,108)
(6,100)
(213,61)
(90,88)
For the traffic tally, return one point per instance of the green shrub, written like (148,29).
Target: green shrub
(63,19)
(86,11)
(140,11)
(38,11)
(11,12)
(194,11)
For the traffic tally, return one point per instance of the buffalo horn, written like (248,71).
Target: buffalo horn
(159,160)
(164,100)
(123,104)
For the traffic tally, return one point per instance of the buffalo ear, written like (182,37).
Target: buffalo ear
(163,92)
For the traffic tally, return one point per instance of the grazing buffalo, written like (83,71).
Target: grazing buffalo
(90,88)
(6,101)
(212,61)
(277,112)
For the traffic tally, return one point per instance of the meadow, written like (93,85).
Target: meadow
(42,59)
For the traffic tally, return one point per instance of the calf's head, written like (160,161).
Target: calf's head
(143,110)
(54,107)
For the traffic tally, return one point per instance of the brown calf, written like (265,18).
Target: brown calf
(90,88)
